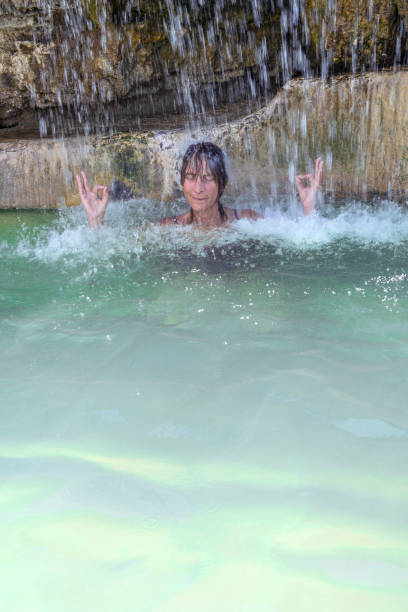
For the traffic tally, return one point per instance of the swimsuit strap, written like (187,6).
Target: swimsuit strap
(175,220)
(236,214)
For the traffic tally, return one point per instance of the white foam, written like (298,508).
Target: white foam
(363,224)
(126,234)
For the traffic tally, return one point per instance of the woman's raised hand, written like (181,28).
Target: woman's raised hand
(308,186)
(94,201)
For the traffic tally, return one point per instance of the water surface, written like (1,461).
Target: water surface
(204,421)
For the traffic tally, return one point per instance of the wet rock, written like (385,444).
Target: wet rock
(119,191)
(79,62)
(358,124)
(358,35)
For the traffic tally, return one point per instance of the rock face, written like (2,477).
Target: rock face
(91,62)
(358,124)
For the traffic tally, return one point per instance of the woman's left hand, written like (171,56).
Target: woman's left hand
(308,186)
(94,204)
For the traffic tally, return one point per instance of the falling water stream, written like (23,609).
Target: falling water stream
(196,75)
(126,60)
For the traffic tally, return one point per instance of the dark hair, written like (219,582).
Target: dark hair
(213,157)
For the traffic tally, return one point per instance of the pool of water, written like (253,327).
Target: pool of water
(204,421)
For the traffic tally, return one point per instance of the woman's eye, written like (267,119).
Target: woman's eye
(206,178)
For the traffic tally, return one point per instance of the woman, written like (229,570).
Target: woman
(203,178)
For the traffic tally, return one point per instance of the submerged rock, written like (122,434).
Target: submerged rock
(358,124)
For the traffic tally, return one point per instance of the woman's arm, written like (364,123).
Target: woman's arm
(94,204)
(308,186)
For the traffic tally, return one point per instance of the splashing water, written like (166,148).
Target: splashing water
(127,233)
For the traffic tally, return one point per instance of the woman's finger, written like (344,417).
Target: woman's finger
(85,179)
(80,186)
(98,188)
(105,195)
(319,167)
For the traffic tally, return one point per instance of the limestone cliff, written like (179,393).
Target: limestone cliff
(358,124)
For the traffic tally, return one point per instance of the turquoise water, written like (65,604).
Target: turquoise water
(204,421)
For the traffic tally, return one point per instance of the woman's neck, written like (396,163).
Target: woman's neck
(209,218)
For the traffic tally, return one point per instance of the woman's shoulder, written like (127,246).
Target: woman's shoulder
(241,213)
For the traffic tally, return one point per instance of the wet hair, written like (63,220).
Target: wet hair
(208,153)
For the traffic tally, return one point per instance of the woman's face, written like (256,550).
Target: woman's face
(200,188)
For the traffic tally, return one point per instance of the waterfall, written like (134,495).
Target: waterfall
(81,73)
(108,64)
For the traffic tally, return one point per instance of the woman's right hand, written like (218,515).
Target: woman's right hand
(94,204)
(308,186)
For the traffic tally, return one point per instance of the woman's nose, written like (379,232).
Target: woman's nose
(199,183)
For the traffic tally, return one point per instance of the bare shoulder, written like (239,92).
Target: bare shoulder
(246,213)
(166,221)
